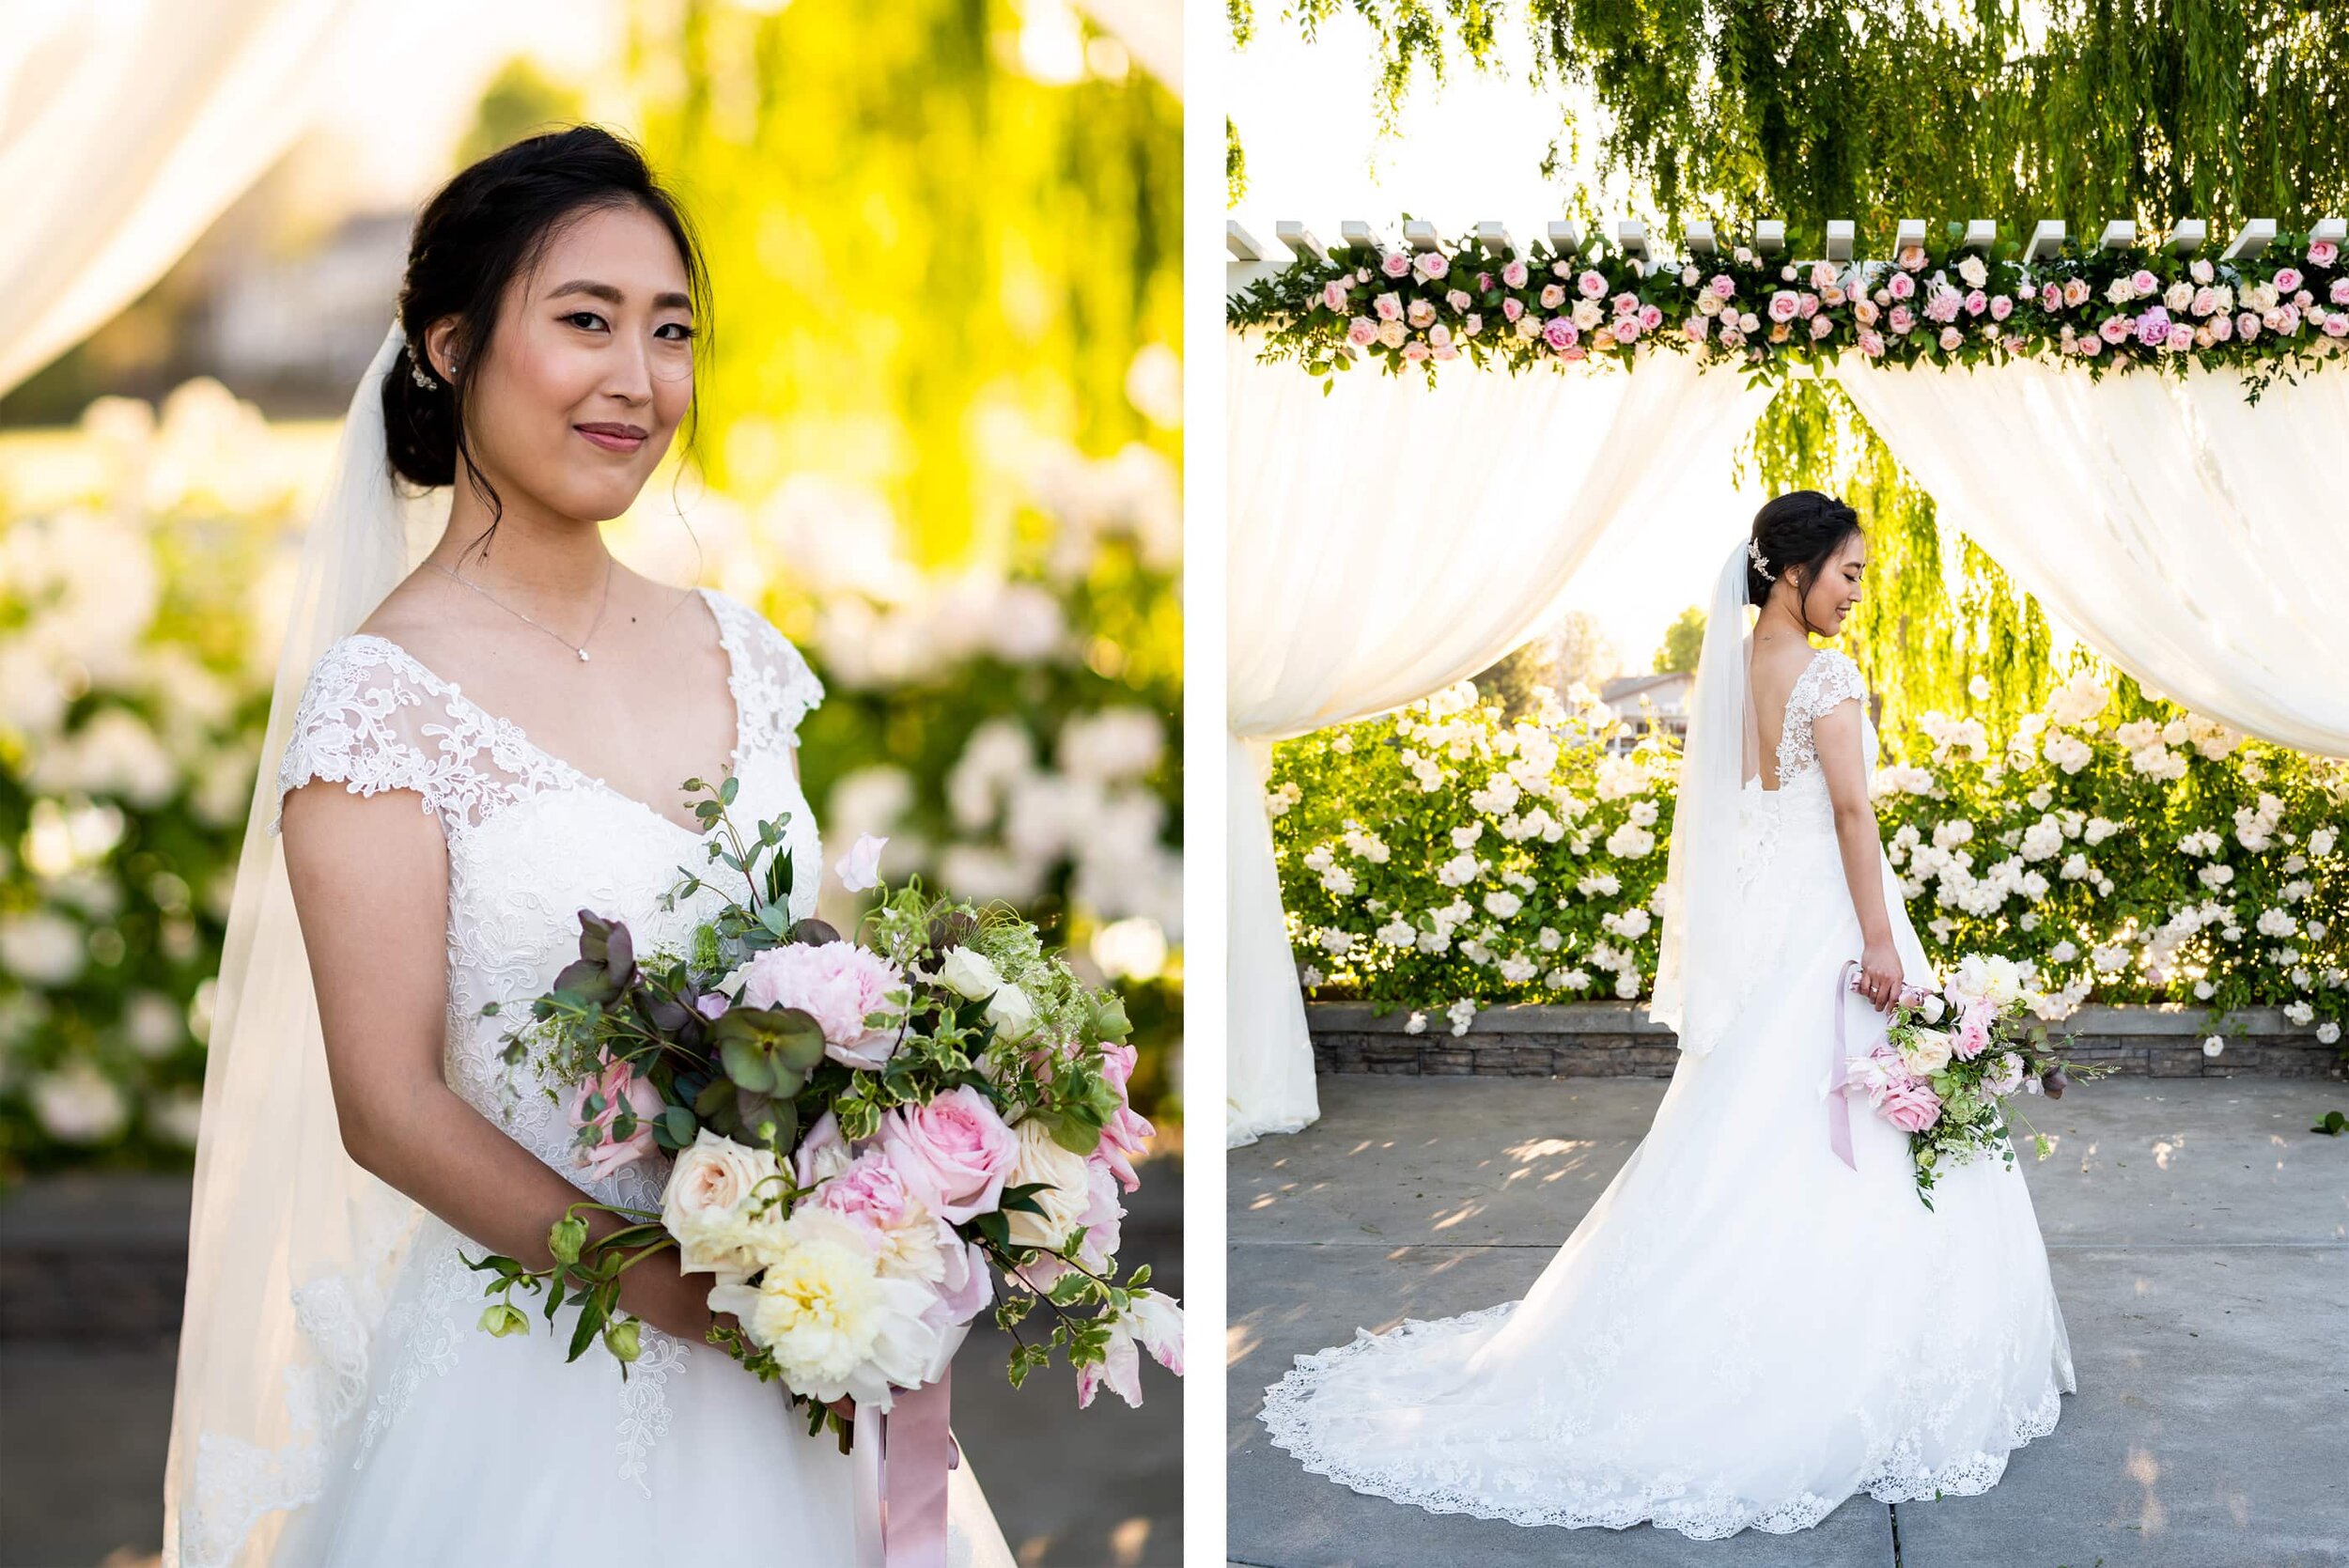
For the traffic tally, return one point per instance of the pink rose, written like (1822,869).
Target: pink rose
(1553,295)
(1865,312)
(1590,284)
(1912,257)
(1822,275)
(619,1085)
(1783,306)
(2116,329)
(1972,1034)
(1724,285)
(1626,303)
(1415,352)
(1420,313)
(1559,333)
(1901,320)
(1650,318)
(1511,308)
(2337,324)
(871,1191)
(840,986)
(1700,327)
(2180,337)
(1625,331)
(1976,302)
(1807,305)
(1389,306)
(1951,338)
(1431,264)
(1577,352)
(2248,326)
(2074,291)
(1459,302)
(2051,298)
(1362,331)
(2002,307)
(2287,280)
(1911,1107)
(2144,282)
(1333,294)
(2324,253)
(2222,328)
(1394,264)
(1821,326)
(954,1151)
(2091,347)
(1514,274)
(1871,345)
(1901,285)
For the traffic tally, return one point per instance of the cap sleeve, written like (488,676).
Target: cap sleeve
(773,687)
(372,721)
(1837,679)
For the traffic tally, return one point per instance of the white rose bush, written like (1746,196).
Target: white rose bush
(2115,847)
(866,1134)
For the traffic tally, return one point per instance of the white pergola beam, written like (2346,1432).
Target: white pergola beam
(2119,235)
(1495,237)
(2253,238)
(1361,234)
(1841,238)
(2187,237)
(1770,236)
(1911,232)
(1300,239)
(2331,230)
(1701,241)
(1981,235)
(2046,241)
(1565,236)
(1631,239)
(1421,235)
(1242,245)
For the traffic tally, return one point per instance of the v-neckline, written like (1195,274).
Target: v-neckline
(516,732)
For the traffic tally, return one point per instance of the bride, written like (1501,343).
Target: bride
(481,748)
(1744,1330)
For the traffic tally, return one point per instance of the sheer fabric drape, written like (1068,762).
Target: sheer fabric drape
(1388,539)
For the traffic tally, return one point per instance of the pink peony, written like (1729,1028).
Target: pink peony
(1911,1107)
(871,1191)
(954,1152)
(619,1085)
(837,983)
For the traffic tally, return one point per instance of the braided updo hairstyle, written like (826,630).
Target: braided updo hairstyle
(1798,532)
(483,229)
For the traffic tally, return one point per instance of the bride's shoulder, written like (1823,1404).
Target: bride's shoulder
(777,676)
(1832,678)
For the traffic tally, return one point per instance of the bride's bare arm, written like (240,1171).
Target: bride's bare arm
(370,883)
(1837,734)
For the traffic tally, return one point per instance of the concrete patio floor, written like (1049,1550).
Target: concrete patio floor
(2199,1234)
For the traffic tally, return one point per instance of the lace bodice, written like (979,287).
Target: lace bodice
(1829,679)
(531,840)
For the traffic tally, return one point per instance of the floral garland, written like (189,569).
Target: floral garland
(1945,305)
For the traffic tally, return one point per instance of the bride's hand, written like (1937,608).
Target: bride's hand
(1880,973)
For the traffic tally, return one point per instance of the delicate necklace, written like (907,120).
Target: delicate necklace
(579,647)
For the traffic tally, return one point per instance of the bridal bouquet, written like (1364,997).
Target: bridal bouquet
(1952,1061)
(866,1132)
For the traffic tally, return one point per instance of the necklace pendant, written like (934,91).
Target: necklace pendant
(582,655)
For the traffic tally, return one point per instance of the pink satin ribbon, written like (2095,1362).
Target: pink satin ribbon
(1839,1077)
(917,1453)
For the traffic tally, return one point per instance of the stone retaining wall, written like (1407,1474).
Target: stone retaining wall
(1615,1039)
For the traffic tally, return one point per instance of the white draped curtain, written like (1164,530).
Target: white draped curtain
(125,129)
(1384,541)
(2196,540)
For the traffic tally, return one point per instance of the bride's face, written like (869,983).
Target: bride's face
(1827,602)
(590,369)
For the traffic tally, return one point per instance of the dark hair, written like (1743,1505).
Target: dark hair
(1800,529)
(481,230)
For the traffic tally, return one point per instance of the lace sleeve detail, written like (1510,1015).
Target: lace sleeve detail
(368,721)
(774,689)
(1833,678)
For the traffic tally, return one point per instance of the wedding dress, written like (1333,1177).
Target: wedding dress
(442,1444)
(1743,1331)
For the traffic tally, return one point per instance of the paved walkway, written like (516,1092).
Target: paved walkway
(2198,1235)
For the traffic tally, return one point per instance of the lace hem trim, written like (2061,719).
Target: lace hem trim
(1712,1518)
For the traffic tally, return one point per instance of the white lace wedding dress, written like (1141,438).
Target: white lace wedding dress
(1743,1331)
(442,1445)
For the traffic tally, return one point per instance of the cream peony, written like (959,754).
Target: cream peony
(838,1326)
(709,1204)
(1065,1197)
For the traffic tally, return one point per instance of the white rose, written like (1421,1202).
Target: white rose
(708,1204)
(1927,1053)
(968,975)
(1012,1014)
(1067,1193)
